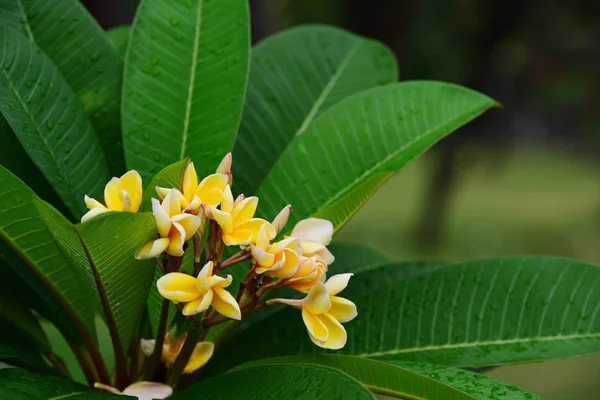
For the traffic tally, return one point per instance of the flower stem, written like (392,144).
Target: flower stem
(59,364)
(236,258)
(156,356)
(187,349)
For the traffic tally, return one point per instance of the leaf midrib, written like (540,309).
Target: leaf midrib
(193,72)
(535,339)
(25,21)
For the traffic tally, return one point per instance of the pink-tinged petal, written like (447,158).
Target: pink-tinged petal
(112,195)
(227,200)
(172,202)
(189,222)
(317,301)
(177,239)
(337,283)
(314,326)
(163,222)
(263,259)
(178,287)
(205,273)
(239,199)
(218,281)
(314,230)
(92,203)
(148,390)
(237,238)
(244,210)
(152,249)
(190,183)
(225,304)
(202,353)
(225,165)
(131,182)
(337,334)
(222,218)
(342,309)
(199,305)
(282,218)
(92,213)
(210,190)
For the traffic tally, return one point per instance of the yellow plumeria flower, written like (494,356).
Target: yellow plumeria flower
(171,349)
(323,312)
(236,219)
(314,235)
(310,271)
(143,390)
(208,192)
(200,293)
(120,194)
(174,227)
(278,259)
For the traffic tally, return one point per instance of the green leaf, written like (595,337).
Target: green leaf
(18,384)
(357,143)
(169,177)
(10,15)
(300,381)
(85,57)
(18,315)
(49,122)
(31,251)
(184,85)
(423,381)
(296,75)
(119,36)
(154,303)
(350,257)
(111,241)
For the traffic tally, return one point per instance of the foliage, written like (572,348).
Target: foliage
(314,118)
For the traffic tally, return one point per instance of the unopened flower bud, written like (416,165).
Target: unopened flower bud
(282,218)
(225,166)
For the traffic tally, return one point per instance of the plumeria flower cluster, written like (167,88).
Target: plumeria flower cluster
(203,216)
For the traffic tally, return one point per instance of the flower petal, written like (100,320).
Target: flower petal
(253,225)
(189,222)
(162,192)
(147,346)
(202,353)
(315,327)
(172,202)
(262,240)
(92,203)
(337,334)
(217,281)
(342,309)
(211,189)
(310,249)
(163,222)
(263,259)
(290,242)
(205,273)
(112,195)
(314,230)
(282,218)
(190,182)
(237,238)
(317,300)
(227,200)
(131,182)
(225,164)
(148,390)
(152,249)
(178,287)
(225,304)
(177,239)
(337,283)
(244,210)
(93,212)
(223,218)
(194,206)
(197,306)
(290,260)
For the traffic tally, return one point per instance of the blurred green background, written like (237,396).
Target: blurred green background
(522,180)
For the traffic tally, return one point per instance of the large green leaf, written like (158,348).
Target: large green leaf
(422,381)
(294,381)
(185,78)
(11,15)
(112,240)
(362,140)
(350,257)
(49,121)
(17,384)
(119,36)
(295,76)
(31,251)
(471,314)
(86,58)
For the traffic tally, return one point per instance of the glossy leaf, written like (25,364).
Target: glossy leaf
(66,32)
(423,381)
(350,257)
(185,78)
(368,135)
(112,240)
(295,76)
(49,121)
(119,36)
(18,384)
(31,251)
(278,382)
(11,15)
